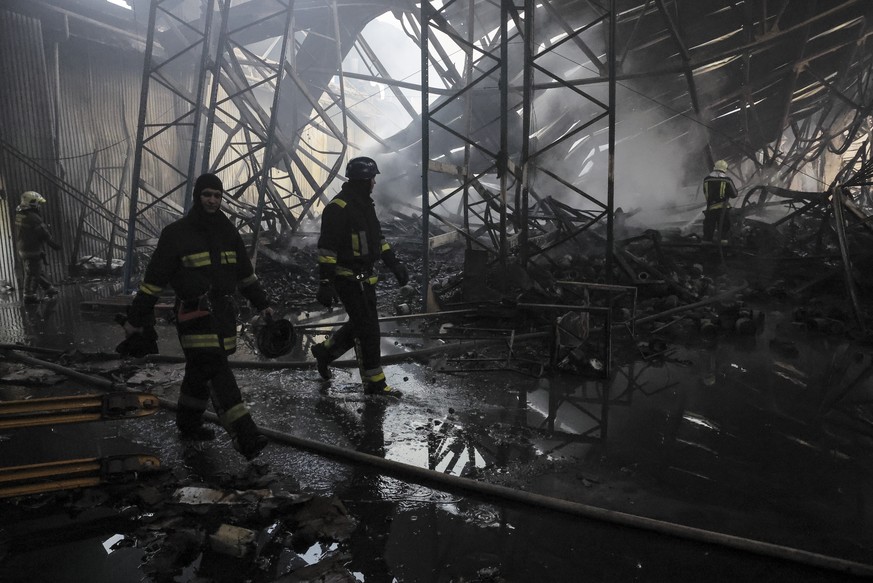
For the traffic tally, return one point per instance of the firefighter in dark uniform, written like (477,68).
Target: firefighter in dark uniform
(718,189)
(204,259)
(31,234)
(350,243)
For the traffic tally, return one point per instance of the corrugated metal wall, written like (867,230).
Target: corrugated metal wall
(80,161)
(26,121)
(99,107)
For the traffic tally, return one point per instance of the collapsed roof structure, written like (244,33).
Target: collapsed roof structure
(594,105)
(526,133)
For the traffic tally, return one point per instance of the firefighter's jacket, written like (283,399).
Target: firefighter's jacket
(31,232)
(351,238)
(203,258)
(718,189)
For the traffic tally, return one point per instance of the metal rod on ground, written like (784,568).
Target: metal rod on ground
(667,325)
(351,363)
(840,227)
(319,322)
(36,349)
(425,476)
(687,307)
(96,381)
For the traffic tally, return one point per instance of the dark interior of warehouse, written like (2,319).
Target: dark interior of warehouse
(447,291)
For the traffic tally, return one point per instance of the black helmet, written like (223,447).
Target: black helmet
(276,338)
(362,168)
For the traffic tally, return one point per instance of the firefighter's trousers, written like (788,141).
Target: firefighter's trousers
(718,219)
(33,276)
(362,329)
(207,339)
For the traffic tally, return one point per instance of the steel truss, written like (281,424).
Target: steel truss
(256,91)
(492,162)
(231,89)
(238,103)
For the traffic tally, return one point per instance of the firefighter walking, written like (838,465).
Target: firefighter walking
(350,243)
(204,259)
(718,189)
(31,234)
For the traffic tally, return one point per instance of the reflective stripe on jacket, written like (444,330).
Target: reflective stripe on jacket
(195,255)
(351,238)
(718,189)
(31,231)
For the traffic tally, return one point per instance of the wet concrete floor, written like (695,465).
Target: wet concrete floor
(734,438)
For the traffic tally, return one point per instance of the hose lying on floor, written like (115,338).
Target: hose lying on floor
(501,493)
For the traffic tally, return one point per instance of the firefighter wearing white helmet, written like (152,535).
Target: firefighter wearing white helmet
(32,233)
(32,198)
(718,189)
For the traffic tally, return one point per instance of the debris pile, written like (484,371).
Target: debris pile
(255,526)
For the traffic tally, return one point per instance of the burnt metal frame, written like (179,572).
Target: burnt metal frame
(261,150)
(229,129)
(495,212)
(278,159)
(116,224)
(529,162)
(811,137)
(150,125)
(85,198)
(522,166)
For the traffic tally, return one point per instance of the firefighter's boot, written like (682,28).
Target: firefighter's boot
(381,388)
(190,424)
(322,359)
(246,438)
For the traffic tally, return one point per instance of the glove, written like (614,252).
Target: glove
(137,344)
(55,245)
(401,273)
(326,295)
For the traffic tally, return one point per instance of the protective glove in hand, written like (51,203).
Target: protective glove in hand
(139,344)
(55,245)
(401,273)
(326,295)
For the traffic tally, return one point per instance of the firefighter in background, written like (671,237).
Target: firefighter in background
(350,243)
(718,189)
(204,259)
(31,234)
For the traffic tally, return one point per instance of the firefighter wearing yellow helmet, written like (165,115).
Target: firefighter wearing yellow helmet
(718,189)
(32,233)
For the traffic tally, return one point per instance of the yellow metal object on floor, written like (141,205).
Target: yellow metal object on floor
(76,409)
(76,473)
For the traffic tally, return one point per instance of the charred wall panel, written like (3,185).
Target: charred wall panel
(99,101)
(27,150)
(81,159)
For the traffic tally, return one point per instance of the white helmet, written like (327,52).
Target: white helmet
(720,166)
(31,197)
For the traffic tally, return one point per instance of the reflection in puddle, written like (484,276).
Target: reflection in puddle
(697,445)
(701,421)
(316,552)
(109,544)
(690,473)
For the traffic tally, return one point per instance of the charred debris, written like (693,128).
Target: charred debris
(804,253)
(565,310)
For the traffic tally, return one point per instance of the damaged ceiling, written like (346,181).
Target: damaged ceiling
(774,87)
(518,123)
(109,111)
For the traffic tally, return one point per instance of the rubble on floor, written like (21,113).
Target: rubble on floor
(559,313)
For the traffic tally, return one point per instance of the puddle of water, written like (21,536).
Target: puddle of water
(81,561)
